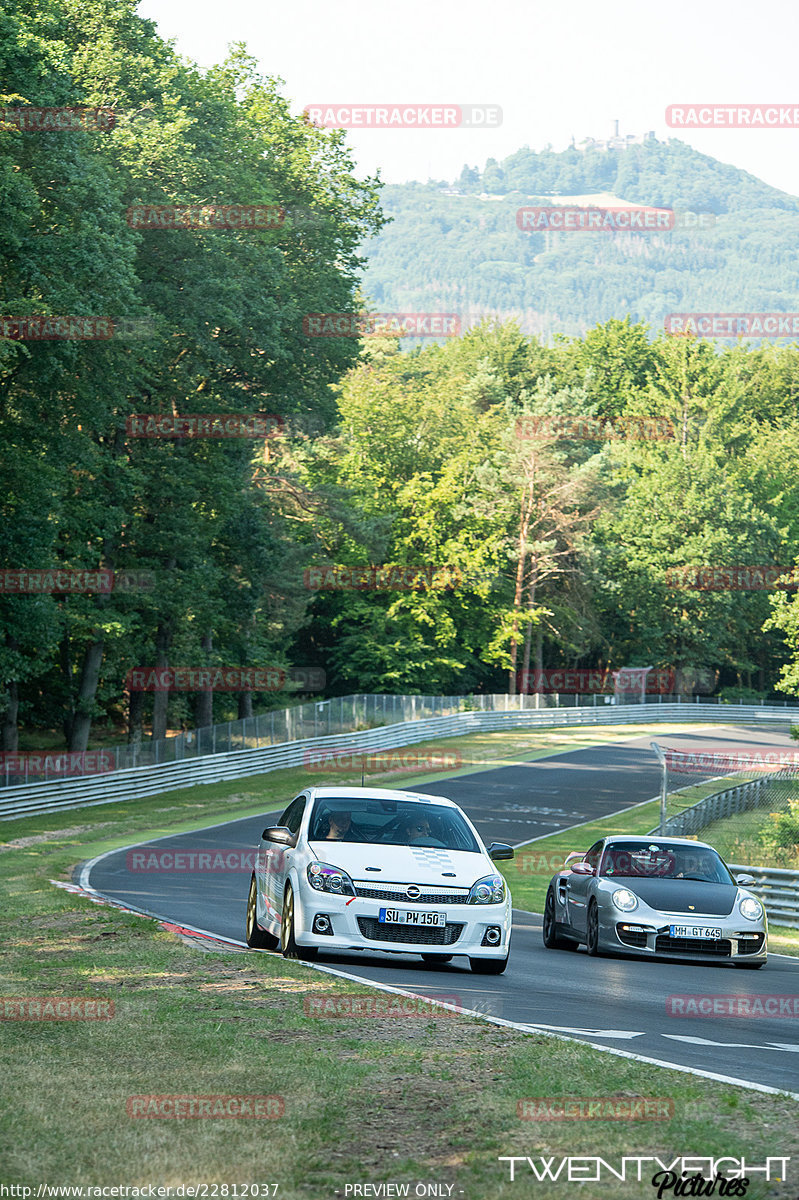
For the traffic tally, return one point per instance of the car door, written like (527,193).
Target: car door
(577,889)
(275,859)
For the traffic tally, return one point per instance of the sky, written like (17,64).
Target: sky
(557,70)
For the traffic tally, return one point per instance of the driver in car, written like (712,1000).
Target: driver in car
(417,828)
(341,828)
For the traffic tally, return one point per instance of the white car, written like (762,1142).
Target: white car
(352,868)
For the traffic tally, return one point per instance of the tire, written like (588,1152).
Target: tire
(552,940)
(435,960)
(256,938)
(289,945)
(592,931)
(489,966)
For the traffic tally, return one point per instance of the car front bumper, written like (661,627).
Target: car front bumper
(648,934)
(356,926)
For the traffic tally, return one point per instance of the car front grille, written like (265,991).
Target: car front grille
(399,891)
(721,947)
(424,935)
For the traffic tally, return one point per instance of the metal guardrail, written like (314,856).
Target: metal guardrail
(778,889)
(741,798)
(151,780)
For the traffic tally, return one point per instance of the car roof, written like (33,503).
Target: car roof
(354,792)
(657,840)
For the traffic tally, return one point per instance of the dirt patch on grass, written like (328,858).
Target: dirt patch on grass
(52,835)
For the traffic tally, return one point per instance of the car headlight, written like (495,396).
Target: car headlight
(325,878)
(490,890)
(625,900)
(751,909)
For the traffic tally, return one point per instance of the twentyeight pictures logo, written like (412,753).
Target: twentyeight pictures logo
(404,116)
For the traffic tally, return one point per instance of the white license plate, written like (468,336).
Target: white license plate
(408,916)
(694,931)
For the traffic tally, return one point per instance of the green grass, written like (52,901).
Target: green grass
(366,1100)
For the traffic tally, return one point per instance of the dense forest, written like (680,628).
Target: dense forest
(437,519)
(734,247)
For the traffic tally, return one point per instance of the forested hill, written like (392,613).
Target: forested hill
(457,247)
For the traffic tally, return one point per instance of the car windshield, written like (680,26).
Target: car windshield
(390,823)
(649,860)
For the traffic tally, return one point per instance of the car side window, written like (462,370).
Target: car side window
(292,817)
(594,854)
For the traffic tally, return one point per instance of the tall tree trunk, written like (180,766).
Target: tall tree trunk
(528,632)
(163,640)
(135,716)
(9,729)
(204,701)
(65,665)
(81,723)
(524,521)
(245,705)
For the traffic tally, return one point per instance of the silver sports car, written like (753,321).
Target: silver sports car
(665,897)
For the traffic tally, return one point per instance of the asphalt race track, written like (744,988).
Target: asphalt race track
(613,1002)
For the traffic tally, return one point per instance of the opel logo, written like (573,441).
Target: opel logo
(413,892)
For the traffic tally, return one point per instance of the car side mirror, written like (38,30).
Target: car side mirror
(745,880)
(582,868)
(280,835)
(500,850)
